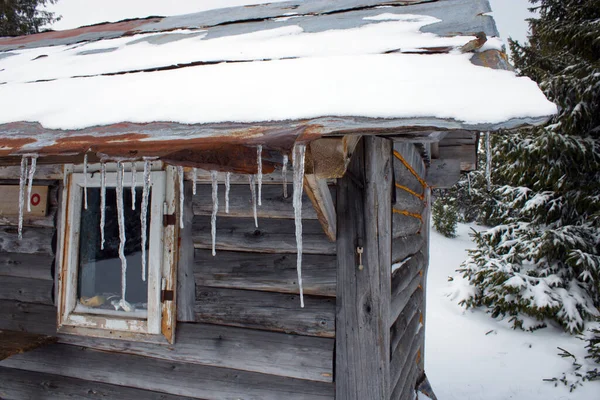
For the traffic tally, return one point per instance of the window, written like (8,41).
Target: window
(100,294)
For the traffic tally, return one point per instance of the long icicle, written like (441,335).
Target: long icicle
(30,180)
(284,175)
(213,218)
(133,182)
(102,202)
(194,180)
(144,214)
(85,189)
(22,179)
(121,221)
(227,187)
(488,161)
(298,162)
(253,191)
(180,173)
(259,173)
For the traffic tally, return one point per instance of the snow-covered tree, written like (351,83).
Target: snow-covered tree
(541,262)
(23,17)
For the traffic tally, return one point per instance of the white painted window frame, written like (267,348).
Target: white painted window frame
(70,319)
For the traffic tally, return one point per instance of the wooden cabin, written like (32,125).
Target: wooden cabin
(337,117)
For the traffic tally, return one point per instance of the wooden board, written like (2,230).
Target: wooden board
(364,198)
(166,376)
(271,236)
(274,205)
(443,174)
(265,272)
(323,203)
(186,289)
(9,200)
(36,266)
(13,342)
(34,241)
(269,311)
(273,353)
(42,171)
(19,384)
(26,289)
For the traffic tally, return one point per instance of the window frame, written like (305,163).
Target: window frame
(160,267)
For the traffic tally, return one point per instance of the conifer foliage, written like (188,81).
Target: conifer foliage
(541,261)
(23,17)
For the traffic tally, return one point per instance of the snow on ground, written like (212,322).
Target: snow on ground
(470,356)
(76,13)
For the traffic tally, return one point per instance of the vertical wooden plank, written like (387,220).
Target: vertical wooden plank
(364,212)
(186,288)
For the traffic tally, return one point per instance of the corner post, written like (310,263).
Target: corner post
(364,212)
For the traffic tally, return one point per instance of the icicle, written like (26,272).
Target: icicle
(284,175)
(194,180)
(144,212)
(227,187)
(213,218)
(102,202)
(469,182)
(488,161)
(65,175)
(259,173)
(298,162)
(30,180)
(121,221)
(22,179)
(133,173)
(85,194)
(181,194)
(253,191)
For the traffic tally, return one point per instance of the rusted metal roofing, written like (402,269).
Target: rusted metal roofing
(175,140)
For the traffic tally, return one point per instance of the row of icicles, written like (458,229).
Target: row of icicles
(254,181)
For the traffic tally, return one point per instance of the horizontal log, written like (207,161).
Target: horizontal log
(19,384)
(26,289)
(274,205)
(36,266)
(209,345)
(403,359)
(35,240)
(269,311)
(408,201)
(403,175)
(404,284)
(265,272)
(403,385)
(271,236)
(42,171)
(405,246)
(405,225)
(412,310)
(409,385)
(169,377)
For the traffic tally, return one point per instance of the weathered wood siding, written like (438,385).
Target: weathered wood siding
(246,335)
(410,258)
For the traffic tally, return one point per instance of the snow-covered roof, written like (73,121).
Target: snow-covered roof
(266,74)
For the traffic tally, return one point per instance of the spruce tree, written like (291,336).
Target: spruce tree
(24,17)
(540,264)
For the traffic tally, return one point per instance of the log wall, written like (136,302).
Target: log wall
(410,258)
(246,336)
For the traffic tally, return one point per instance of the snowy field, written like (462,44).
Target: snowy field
(470,356)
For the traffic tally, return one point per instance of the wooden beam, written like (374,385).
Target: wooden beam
(443,173)
(363,294)
(319,194)
(13,342)
(186,288)
(169,377)
(19,384)
(276,312)
(264,272)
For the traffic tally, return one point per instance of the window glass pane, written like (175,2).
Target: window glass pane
(99,285)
